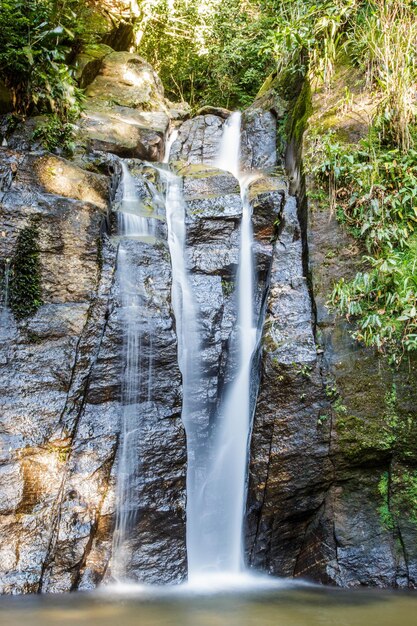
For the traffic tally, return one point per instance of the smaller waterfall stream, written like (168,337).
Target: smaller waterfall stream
(4,310)
(172,137)
(229,152)
(133,226)
(189,361)
(227,478)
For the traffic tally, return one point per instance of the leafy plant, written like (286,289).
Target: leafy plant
(37,37)
(374,192)
(56,135)
(385,45)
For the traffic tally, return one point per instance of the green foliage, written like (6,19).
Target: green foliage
(37,38)
(405,485)
(207,53)
(56,135)
(25,284)
(399,497)
(384,45)
(303,370)
(384,508)
(374,191)
(309,35)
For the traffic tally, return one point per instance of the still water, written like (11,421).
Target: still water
(288,605)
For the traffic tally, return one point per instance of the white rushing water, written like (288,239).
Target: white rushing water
(226,483)
(189,357)
(217,463)
(216,478)
(172,137)
(225,486)
(4,310)
(229,152)
(136,384)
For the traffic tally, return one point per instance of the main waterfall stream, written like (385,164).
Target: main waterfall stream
(217,457)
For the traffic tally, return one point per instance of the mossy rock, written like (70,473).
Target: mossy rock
(89,62)
(300,114)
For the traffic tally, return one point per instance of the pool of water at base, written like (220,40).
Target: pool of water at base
(277,604)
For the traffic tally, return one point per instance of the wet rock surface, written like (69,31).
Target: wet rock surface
(333,461)
(286,485)
(198,140)
(43,371)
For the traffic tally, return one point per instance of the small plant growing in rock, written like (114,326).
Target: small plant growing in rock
(25,285)
(56,135)
(303,370)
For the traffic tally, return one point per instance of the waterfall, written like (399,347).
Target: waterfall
(4,310)
(216,476)
(189,361)
(217,456)
(226,482)
(229,153)
(136,384)
(132,221)
(172,137)
(225,486)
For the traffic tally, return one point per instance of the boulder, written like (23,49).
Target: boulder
(127,80)
(125,132)
(88,63)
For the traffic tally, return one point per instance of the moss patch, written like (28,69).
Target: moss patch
(404,498)
(25,284)
(300,113)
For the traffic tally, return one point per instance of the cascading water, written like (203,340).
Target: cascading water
(216,475)
(189,362)
(229,153)
(4,310)
(217,459)
(172,137)
(226,482)
(225,487)
(133,226)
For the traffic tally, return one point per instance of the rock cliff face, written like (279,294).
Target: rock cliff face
(333,466)
(47,360)
(333,474)
(62,358)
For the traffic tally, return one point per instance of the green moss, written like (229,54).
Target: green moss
(270,83)
(301,112)
(228,287)
(100,253)
(360,439)
(384,509)
(369,436)
(25,284)
(405,494)
(398,491)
